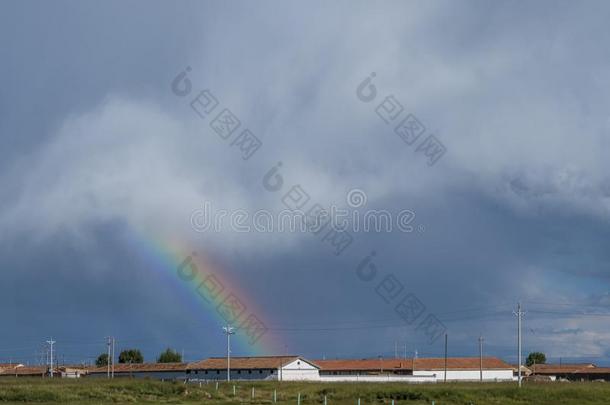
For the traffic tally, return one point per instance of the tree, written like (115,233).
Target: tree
(169,356)
(102,360)
(535,358)
(131,356)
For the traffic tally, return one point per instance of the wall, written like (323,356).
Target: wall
(236,375)
(469,375)
(299,370)
(378,378)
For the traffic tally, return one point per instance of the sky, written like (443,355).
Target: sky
(110,159)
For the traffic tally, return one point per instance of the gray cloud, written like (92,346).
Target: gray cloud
(515,209)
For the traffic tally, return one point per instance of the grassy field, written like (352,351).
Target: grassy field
(124,391)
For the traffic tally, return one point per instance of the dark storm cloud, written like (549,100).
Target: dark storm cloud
(516,208)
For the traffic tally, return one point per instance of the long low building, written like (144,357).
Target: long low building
(572,372)
(415,370)
(159,371)
(297,368)
(294,368)
(20,370)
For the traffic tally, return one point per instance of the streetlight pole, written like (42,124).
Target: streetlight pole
(228,330)
(51,343)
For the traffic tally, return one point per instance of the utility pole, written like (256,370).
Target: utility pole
(445,374)
(519,313)
(108,343)
(414,358)
(405,350)
(228,330)
(395,349)
(112,372)
(51,343)
(481,358)
(281,376)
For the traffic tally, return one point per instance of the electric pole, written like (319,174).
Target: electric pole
(228,330)
(395,349)
(519,313)
(108,343)
(481,358)
(51,343)
(445,374)
(112,372)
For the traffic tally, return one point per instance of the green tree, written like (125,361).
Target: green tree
(102,360)
(131,356)
(169,356)
(535,358)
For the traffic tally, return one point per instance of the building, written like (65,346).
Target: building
(370,370)
(571,372)
(19,370)
(72,371)
(592,374)
(159,371)
(297,368)
(525,371)
(9,365)
(465,368)
(415,370)
(282,368)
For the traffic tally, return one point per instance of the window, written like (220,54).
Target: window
(260,371)
(238,371)
(206,371)
(249,371)
(217,371)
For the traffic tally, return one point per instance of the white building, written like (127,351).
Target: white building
(464,369)
(415,370)
(283,368)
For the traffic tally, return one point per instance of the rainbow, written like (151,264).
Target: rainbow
(208,290)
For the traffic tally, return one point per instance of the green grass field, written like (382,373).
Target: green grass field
(123,391)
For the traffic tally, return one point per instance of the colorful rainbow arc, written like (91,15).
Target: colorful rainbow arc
(169,257)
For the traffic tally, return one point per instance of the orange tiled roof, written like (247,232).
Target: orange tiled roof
(10,365)
(454,363)
(141,367)
(560,369)
(364,364)
(593,370)
(24,370)
(263,362)
(461,363)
